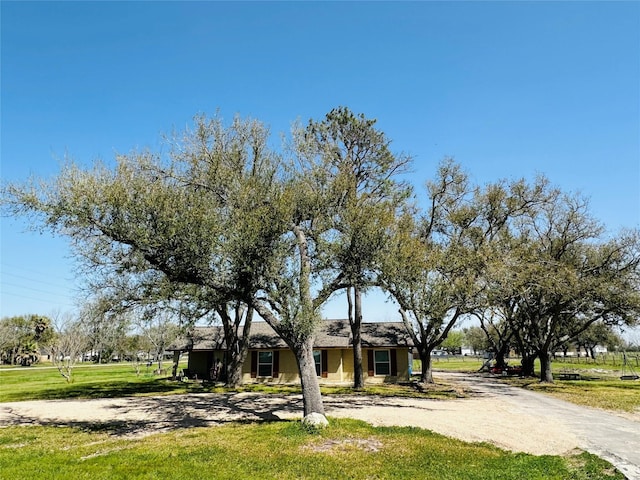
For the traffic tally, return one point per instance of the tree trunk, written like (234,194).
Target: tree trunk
(234,369)
(356,324)
(302,347)
(174,369)
(311,396)
(528,361)
(426,375)
(237,344)
(501,353)
(545,367)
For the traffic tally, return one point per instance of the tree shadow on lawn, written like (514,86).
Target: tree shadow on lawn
(139,416)
(482,384)
(135,416)
(112,389)
(121,413)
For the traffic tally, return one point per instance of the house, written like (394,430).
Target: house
(386,352)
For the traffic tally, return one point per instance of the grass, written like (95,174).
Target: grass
(120,380)
(89,381)
(348,449)
(608,394)
(603,389)
(452,363)
(605,366)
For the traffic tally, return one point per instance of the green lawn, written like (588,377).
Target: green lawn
(348,449)
(120,380)
(605,366)
(600,387)
(89,381)
(608,394)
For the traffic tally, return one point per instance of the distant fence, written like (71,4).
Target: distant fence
(609,358)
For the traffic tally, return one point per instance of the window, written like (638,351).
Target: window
(317,358)
(382,363)
(265,364)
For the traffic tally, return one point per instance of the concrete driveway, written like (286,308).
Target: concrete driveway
(610,436)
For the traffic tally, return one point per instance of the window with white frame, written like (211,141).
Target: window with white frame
(265,364)
(382,362)
(317,357)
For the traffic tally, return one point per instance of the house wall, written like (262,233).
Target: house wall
(402,362)
(201,362)
(345,374)
(339,368)
(288,368)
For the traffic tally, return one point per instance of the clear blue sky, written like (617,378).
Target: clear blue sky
(509,89)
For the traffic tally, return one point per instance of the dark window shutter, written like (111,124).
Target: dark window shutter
(276,363)
(371,371)
(254,364)
(394,362)
(324,362)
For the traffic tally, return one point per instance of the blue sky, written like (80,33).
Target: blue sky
(509,89)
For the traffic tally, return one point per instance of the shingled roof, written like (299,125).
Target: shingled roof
(331,334)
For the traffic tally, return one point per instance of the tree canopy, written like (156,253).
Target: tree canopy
(221,223)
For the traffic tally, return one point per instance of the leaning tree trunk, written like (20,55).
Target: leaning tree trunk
(302,347)
(426,374)
(545,367)
(311,396)
(355,322)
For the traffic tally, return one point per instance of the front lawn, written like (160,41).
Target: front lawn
(609,394)
(348,449)
(120,380)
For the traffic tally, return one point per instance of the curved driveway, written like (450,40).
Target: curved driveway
(612,437)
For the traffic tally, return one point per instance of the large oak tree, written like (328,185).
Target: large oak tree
(555,275)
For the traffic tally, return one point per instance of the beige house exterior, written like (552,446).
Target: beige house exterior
(386,352)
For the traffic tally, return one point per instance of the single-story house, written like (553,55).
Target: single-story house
(386,352)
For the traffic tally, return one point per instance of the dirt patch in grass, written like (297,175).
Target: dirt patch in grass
(340,446)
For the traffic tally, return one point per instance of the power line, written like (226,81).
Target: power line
(35,299)
(30,279)
(32,289)
(22,269)
(24,307)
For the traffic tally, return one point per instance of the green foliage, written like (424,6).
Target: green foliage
(21,338)
(454,341)
(347,449)
(220,221)
(475,338)
(552,275)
